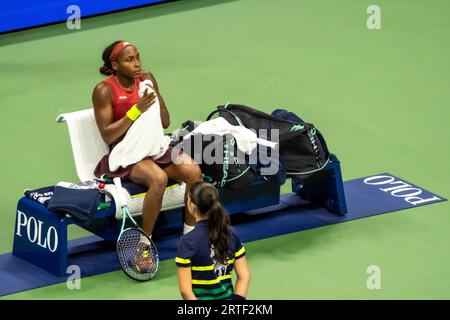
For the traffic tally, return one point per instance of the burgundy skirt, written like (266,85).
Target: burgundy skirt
(103,166)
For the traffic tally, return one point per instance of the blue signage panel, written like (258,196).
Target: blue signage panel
(21,14)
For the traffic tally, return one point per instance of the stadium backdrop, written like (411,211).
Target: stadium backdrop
(22,14)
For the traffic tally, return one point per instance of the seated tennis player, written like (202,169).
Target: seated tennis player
(116,106)
(207,255)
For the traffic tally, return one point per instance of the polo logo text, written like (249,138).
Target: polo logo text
(47,239)
(399,189)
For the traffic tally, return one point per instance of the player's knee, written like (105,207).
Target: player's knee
(196,172)
(158,182)
(193,173)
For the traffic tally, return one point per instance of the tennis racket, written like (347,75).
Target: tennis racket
(136,252)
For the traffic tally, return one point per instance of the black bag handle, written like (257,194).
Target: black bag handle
(219,109)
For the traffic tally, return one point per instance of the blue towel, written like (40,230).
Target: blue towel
(79,203)
(41,195)
(287,115)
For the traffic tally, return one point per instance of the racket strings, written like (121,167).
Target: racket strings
(137,255)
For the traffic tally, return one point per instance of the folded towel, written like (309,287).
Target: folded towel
(41,195)
(79,203)
(145,137)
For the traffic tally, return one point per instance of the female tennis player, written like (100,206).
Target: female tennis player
(207,255)
(116,106)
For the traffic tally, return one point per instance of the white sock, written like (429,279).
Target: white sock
(187,228)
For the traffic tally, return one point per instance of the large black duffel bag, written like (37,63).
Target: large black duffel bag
(301,145)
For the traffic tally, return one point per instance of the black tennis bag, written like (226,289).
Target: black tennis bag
(301,145)
(229,169)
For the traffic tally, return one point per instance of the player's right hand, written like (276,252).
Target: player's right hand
(146,101)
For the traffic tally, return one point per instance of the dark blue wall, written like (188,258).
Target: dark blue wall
(21,14)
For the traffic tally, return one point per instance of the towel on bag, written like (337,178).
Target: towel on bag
(145,137)
(246,139)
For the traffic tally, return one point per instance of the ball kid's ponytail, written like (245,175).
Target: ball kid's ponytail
(219,233)
(206,197)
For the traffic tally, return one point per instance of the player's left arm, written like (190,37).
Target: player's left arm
(243,277)
(185,283)
(165,116)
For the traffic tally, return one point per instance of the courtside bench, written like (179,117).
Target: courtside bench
(40,236)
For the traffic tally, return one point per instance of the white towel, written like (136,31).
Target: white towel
(145,137)
(246,139)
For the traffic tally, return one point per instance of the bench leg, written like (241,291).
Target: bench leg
(324,187)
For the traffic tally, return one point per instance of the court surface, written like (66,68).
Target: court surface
(380,97)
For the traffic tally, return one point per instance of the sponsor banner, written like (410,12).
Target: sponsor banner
(15,15)
(398,189)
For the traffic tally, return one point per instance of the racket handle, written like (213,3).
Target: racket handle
(121,199)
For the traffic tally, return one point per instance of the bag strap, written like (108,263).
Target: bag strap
(311,133)
(225,166)
(223,181)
